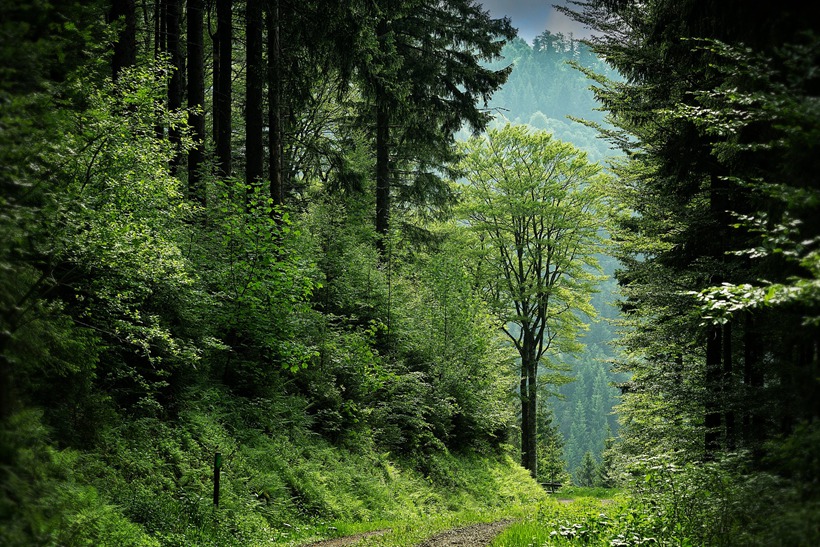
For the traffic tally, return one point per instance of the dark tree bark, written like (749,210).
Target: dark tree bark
(729,394)
(382,176)
(177,63)
(753,421)
(529,406)
(382,159)
(160,27)
(274,105)
(712,419)
(525,415)
(254,86)
(196,99)
(125,48)
(222,93)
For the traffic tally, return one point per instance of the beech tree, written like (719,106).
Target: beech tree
(535,206)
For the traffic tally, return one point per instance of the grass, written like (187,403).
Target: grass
(591,518)
(572,492)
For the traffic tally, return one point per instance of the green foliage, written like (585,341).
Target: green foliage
(533,206)
(582,521)
(786,233)
(587,472)
(532,197)
(741,508)
(45,499)
(258,284)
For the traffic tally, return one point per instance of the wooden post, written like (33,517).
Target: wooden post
(217,467)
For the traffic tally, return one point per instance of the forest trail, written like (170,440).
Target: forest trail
(476,535)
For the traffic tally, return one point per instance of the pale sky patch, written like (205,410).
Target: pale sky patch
(532,17)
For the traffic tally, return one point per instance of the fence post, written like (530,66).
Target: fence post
(217,467)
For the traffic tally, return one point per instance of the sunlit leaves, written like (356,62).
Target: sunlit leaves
(535,206)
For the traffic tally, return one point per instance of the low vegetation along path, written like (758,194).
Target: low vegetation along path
(476,535)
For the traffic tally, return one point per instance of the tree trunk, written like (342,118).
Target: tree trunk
(529,405)
(712,418)
(382,176)
(275,148)
(160,28)
(254,85)
(196,99)
(525,414)
(175,85)
(222,94)
(753,381)
(729,392)
(532,434)
(382,162)
(125,48)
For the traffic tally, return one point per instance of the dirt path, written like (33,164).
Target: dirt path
(477,535)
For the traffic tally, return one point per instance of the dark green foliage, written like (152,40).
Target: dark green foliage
(550,445)
(421,67)
(587,472)
(719,356)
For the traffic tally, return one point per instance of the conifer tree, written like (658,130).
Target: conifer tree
(427,80)
(699,176)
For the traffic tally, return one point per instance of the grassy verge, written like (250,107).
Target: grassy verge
(575,516)
(573,492)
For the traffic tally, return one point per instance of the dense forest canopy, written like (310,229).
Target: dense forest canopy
(247,228)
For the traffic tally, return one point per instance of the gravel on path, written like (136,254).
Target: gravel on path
(477,535)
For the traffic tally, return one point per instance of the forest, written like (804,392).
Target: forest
(278,272)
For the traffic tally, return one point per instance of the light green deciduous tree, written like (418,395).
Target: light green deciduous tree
(534,205)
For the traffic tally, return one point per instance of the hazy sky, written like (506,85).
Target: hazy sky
(532,17)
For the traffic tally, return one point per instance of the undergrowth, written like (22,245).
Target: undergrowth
(151,483)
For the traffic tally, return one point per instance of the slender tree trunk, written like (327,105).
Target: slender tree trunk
(712,418)
(175,85)
(125,48)
(753,380)
(729,392)
(715,376)
(275,148)
(532,455)
(223,94)
(214,34)
(382,176)
(382,162)
(254,86)
(160,27)
(160,46)
(529,404)
(196,98)
(525,414)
